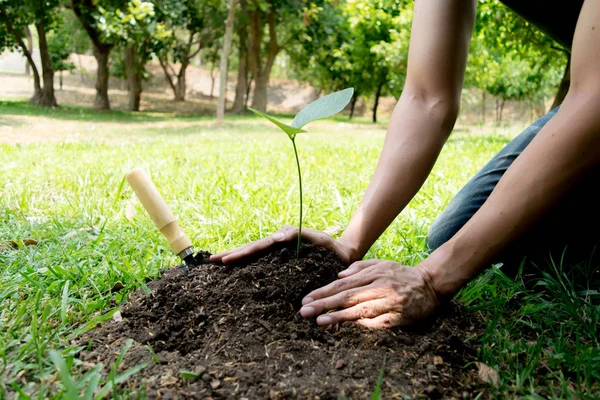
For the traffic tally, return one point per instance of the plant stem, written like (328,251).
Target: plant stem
(300,182)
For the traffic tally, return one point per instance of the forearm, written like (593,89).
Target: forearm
(417,131)
(563,151)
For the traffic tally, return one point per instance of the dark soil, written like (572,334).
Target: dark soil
(237,330)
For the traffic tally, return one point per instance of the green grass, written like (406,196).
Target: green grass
(229,186)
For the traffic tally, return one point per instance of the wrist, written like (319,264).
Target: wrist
(446,271)
(355,251)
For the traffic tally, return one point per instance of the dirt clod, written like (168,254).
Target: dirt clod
(238,329)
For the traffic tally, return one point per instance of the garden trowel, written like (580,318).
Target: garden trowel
(161,214)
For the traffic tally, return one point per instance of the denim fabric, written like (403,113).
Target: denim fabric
(566,225)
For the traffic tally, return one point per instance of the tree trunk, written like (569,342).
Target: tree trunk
(259,98)
(563,88)
(261,81)
(501,111)
(483,107)
(102,53)
(248,88)
(353,105)
(47,98)
(261,71)
(85,11)
(29,47)
(181,85)
(212,80)
(224,60)
(377,96)
(242,78)
(134,78)
(60,79)
(37,88)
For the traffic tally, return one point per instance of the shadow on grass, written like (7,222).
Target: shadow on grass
(77,113)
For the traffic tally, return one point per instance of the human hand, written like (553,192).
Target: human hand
(286,234)
(374,293)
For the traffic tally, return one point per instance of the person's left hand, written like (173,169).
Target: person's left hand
(374,293)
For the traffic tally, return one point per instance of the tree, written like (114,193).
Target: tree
(282,21)
(16,21)
(196,24)
(361,43)
(61,45)
(88,13)
(510,58)
(140,33)
(16,15)
(224,59)
(241,89)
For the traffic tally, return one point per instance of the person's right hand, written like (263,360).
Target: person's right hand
(286,234)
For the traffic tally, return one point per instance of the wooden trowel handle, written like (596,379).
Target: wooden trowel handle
(158,209)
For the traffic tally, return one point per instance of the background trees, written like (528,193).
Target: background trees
(16,16)
(330,44)
(511,59)
(195,25)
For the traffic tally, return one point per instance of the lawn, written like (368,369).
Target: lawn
(62,184)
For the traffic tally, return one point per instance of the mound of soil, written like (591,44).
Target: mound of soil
(234,331)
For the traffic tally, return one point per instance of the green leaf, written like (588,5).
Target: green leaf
(121,378)
(65,375)
(64,303)
(324,107)
(189,374)
(376,395)
(289,130)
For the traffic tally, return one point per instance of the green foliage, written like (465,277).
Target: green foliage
(61,44)
(137,25)
(510,58)
(359,43)
(194,24)
(19,14)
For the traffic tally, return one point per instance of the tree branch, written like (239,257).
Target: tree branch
(83,9)
(24,49)
(167,75)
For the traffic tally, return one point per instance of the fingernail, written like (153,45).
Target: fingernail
(324,320)
(278,236)
(344,272)
(307,300)
(307,312)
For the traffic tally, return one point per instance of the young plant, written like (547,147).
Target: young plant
(324,107)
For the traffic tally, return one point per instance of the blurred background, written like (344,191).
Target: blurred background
(168,56)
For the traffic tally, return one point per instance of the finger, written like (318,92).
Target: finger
(319,238)
(335,287)
(387,320)
(357,267)
(344,299)
(248,249)
(368,309)
(219,256)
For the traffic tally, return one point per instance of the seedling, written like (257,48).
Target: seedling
(321,108)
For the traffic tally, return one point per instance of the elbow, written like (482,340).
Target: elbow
(443,108)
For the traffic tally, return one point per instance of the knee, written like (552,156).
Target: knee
(448,223)
(437,235)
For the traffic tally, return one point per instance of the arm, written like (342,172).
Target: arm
(419,127)
(566,148)
(422,119)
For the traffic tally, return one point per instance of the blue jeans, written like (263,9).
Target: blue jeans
(573,224)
